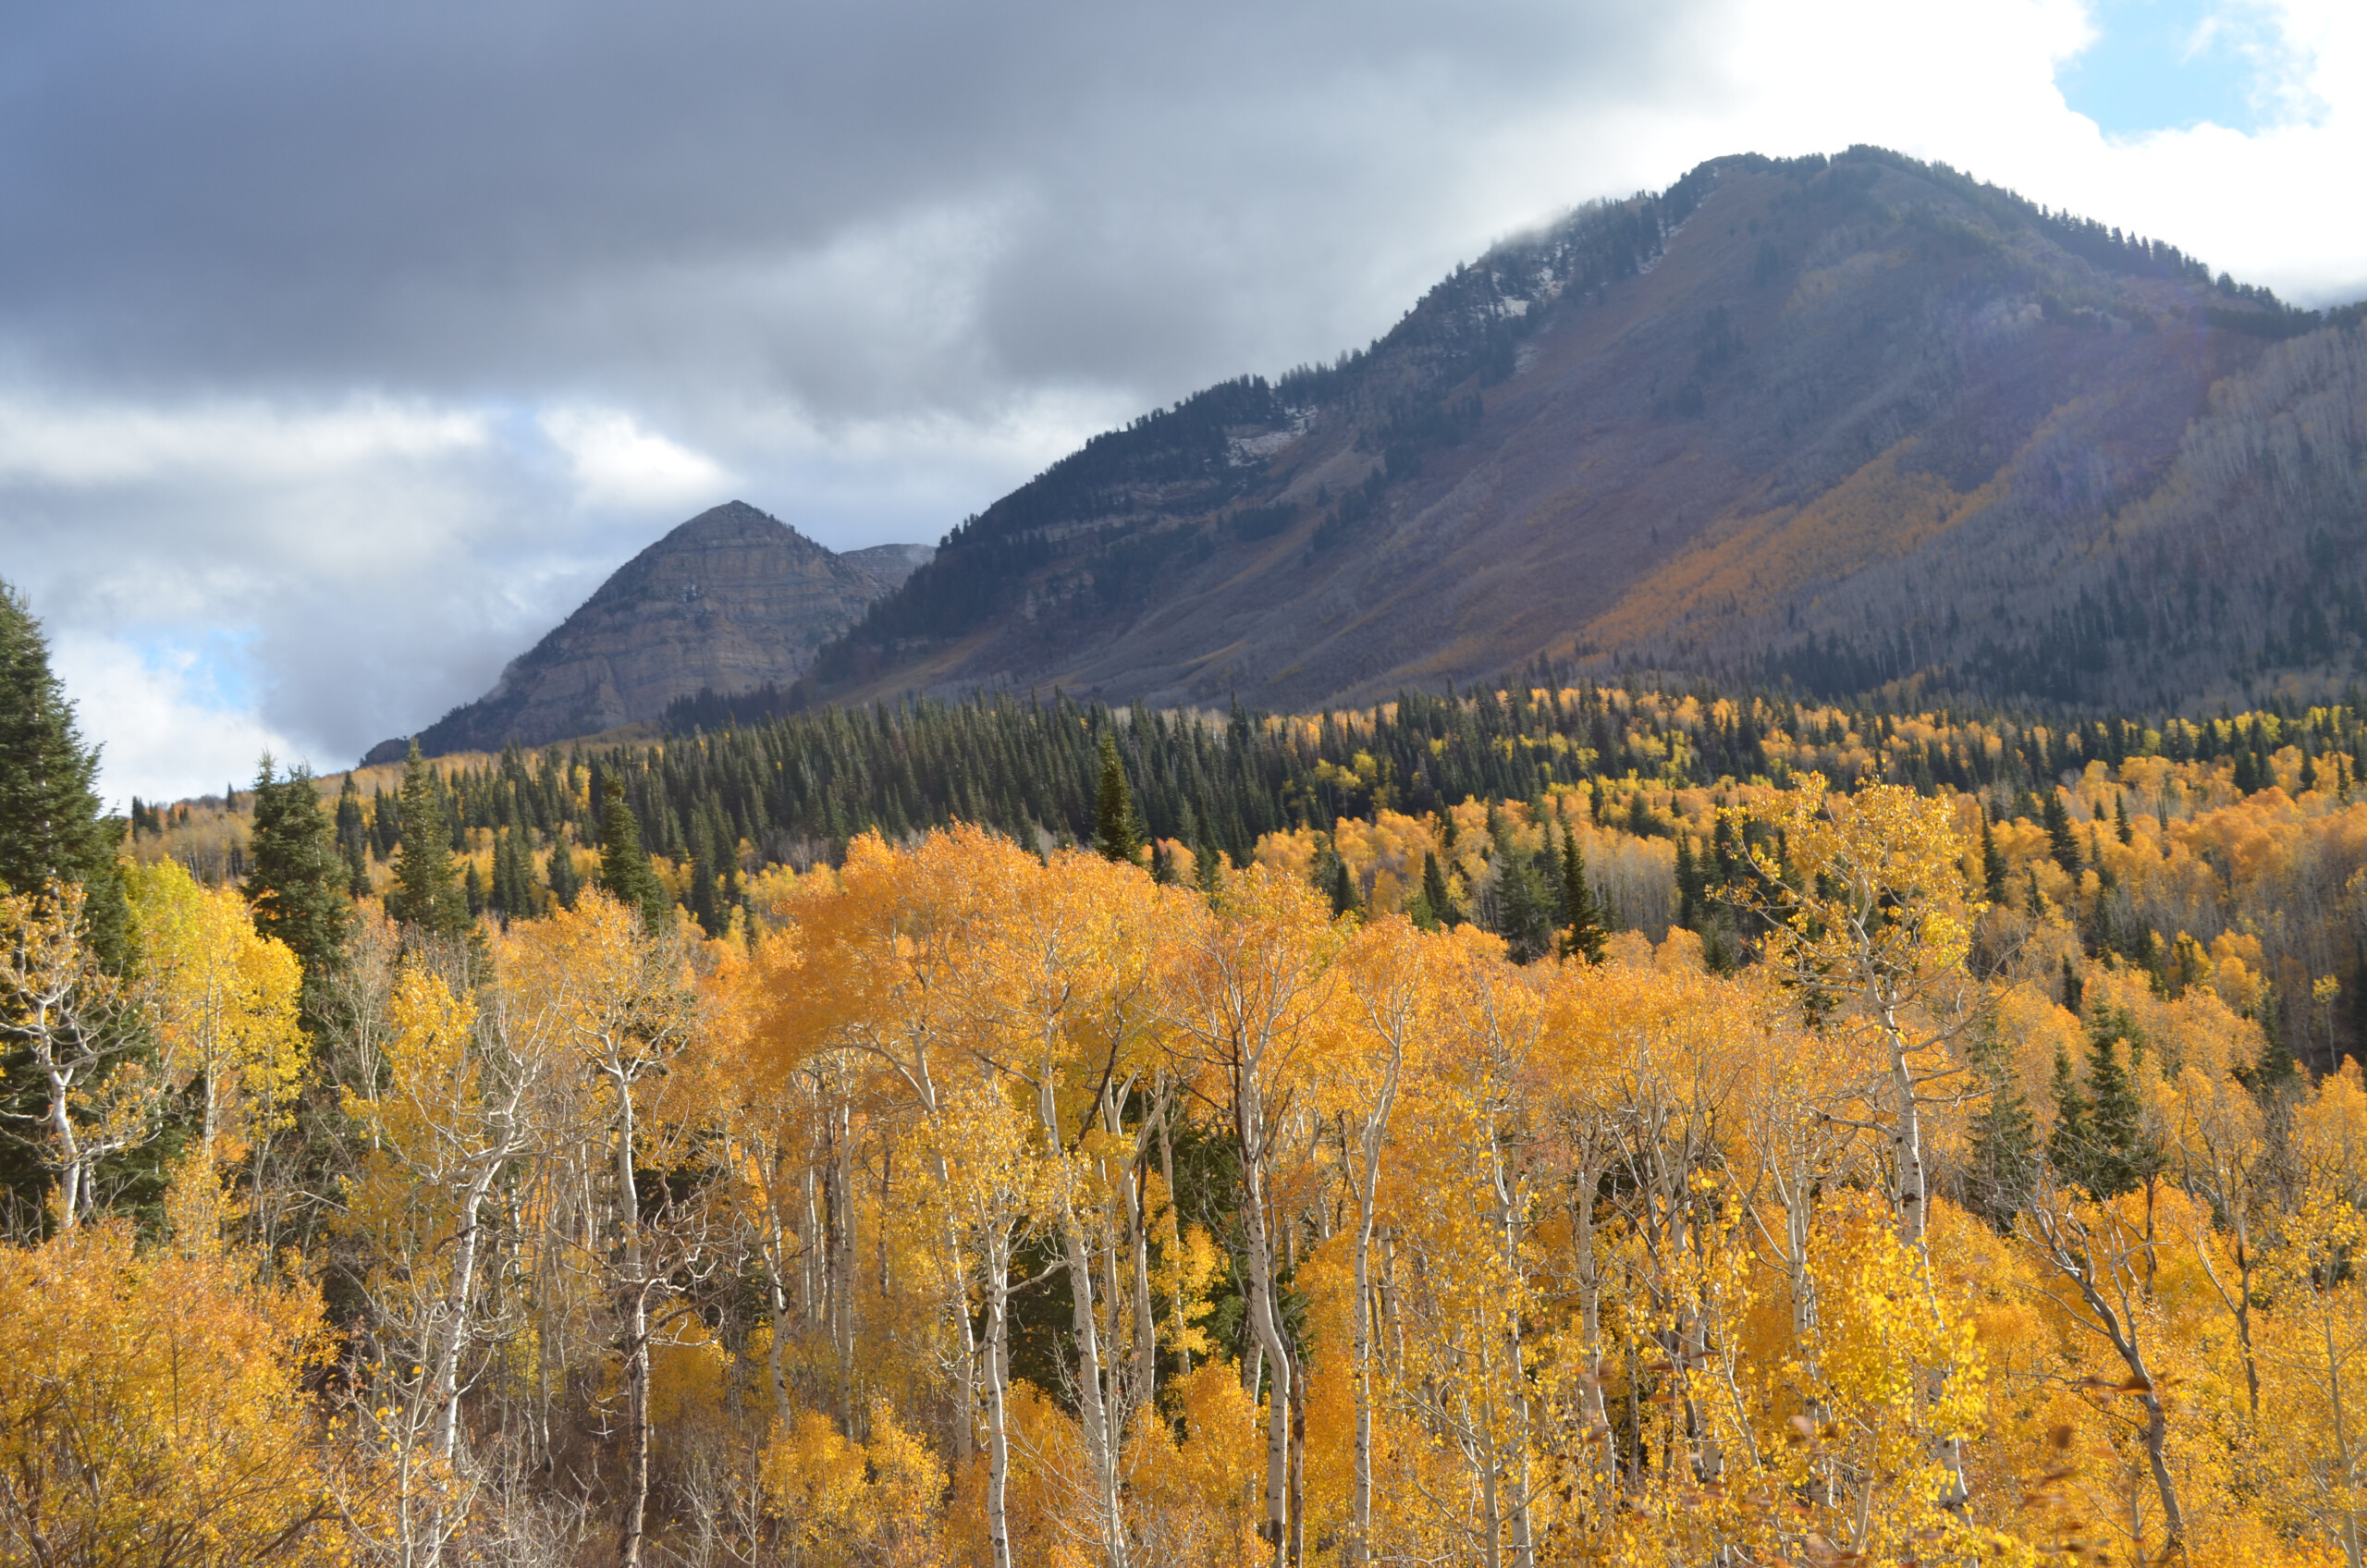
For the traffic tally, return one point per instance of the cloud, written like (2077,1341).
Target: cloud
(345,349)
(169,729)
(618,463)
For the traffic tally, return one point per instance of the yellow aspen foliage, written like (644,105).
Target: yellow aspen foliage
(224,1000)
(152,1413)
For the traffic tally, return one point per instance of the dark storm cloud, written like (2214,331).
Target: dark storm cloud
(460,196)
(343,348)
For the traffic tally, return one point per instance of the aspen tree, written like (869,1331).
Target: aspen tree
(77,1029)
(1246,980)
(1871,919)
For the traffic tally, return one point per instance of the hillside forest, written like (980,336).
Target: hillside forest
(1547,1124)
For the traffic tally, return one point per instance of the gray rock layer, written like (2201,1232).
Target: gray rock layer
(731,601)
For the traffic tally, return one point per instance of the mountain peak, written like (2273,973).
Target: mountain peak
(731,601)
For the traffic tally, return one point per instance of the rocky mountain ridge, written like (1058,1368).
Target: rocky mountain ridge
(1843,422)
(732,600)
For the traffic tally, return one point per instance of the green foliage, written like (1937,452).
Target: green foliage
(626,875)
(51,826)
(1583,933)
(296,879)
(1117,831)
(426,892)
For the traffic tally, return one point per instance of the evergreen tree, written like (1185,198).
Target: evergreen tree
(626,875)
(1343,889)
(2066,1145)
(1583,934)
(1207,869)
(2061,841)
(353,840)
(2001,1158)
(2120,818)
(2118,1158)
(2073,990)
(296,879)
(2358,1010)
(1688,884)
(51,826)
(1434,897)
(472,889)
(1993,862)
(562,872)
(1523,905)
(1116,831)
(706,907)
(426,891)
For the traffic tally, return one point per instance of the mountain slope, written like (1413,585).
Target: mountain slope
(731,601)
(1848,420)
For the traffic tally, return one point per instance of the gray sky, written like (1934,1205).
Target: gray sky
(344,349)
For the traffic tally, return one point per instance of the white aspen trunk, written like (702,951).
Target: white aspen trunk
(457,1297)
(997,1398)
(1093,1403)
(70,1149)
(636,1306)
(1263,1322)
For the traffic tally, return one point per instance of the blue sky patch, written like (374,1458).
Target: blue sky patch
(2166,65)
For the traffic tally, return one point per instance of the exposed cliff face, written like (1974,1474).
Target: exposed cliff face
(1848,423)
(731,601)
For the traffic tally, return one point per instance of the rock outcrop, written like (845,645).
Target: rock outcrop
(731,601)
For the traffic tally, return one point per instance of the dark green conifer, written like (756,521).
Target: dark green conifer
(1583,935)
(1434,898)
(563,882)
(2001,1158)
(1116,832)
(1343,889)
(426,891)
(2073,991)
(297,880)
(353,840)
(1993,862)
(2066,1145)
(2120,826)
(51,826)
(626,875)
(2118,1159)
(2060,840)
(1688,884)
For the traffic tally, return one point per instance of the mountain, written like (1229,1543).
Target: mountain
(1842,422)
(731,601)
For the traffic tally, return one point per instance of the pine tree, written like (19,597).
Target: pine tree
(2066,1145)
(1343,889)
(562,872)
(426,891)
(1434,898)
(1116,832)
(353,840)
(2002,1155)
(705,907)
(297,880)
(1583,934)
(626,875)
(51,826)
(1688,884)
(2117,1159)
(2063,843)
(2074,990)
(1993,862)
(2120,818)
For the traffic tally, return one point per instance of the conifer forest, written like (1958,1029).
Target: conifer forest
(1551,1123)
